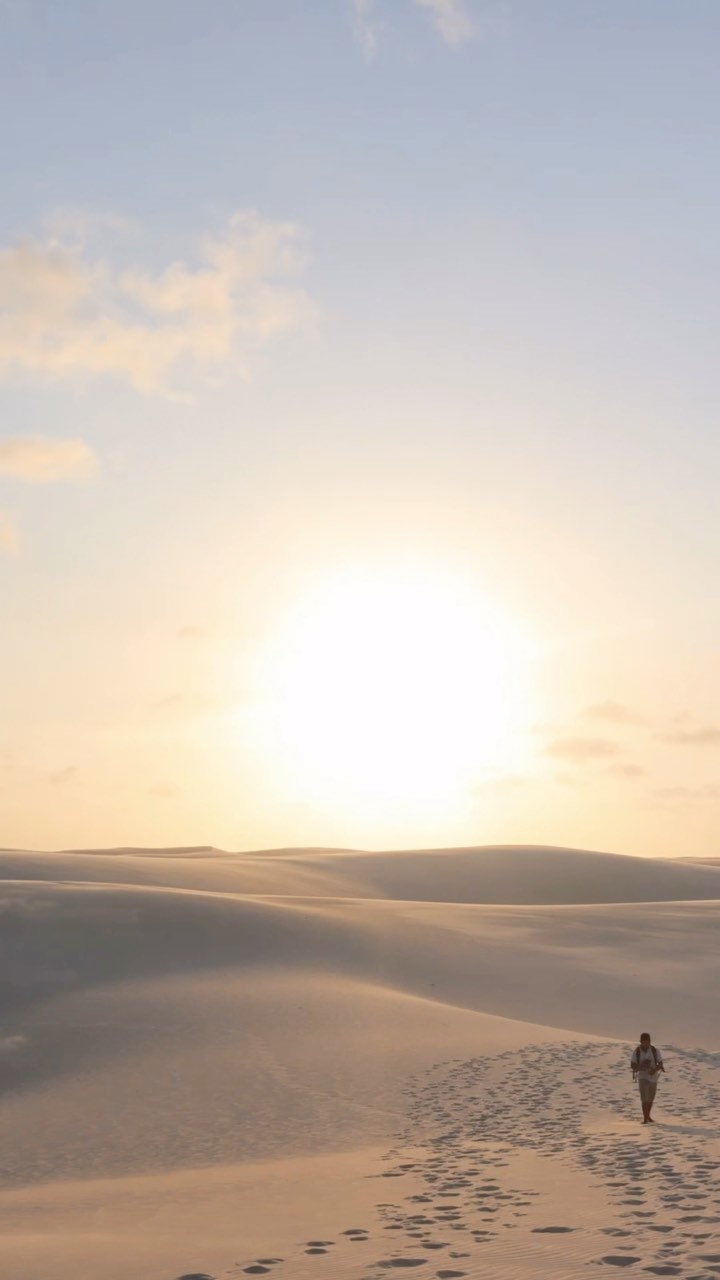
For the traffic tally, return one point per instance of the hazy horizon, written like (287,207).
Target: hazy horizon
(358,468)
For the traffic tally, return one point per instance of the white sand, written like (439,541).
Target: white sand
(209,1059)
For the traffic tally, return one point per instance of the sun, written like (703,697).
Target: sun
(392,688)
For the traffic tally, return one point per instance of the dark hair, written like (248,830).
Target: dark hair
(645,1035)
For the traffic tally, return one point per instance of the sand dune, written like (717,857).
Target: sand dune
(188,1036)
(510,874)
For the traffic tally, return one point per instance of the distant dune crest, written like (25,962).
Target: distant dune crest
(492,874)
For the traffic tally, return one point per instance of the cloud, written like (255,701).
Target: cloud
(59,777)
(580,750)
(566,780)
(12,1044)
(709,791)
(450,18)
(367,27)
(624,770)
(9,536)
(704,736)
(40,460)
(613,713)
(67,312)
(73,224)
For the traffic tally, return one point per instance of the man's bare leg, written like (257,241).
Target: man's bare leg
(645,1101)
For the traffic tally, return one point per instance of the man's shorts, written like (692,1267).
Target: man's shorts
(648,1089)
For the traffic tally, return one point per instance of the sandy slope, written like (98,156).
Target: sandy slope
(207,1059)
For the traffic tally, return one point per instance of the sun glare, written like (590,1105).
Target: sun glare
(394,688)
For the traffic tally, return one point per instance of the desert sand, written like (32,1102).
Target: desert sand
(333,1063)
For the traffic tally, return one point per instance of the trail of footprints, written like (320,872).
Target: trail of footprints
(466,1121)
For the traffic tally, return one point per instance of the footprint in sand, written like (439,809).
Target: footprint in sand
(403,1262)
(552,1231)
(318,1246)
(619,1260)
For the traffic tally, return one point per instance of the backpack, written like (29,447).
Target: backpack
(635,1060)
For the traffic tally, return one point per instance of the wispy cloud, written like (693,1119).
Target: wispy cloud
(367,25)
(703,736)
(60,777)
(449,16)
(451,19)
(40,460)
(709,791)
(12,1044)
(613,713)
(68,312)
(9,536)
(623,769)
(580,750)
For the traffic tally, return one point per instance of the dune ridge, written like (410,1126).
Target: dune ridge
(501,874)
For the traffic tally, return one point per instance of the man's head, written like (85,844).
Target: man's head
(645,1039)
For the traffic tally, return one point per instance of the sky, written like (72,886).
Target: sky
(358,439)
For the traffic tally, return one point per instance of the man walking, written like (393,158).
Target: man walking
(647,1063)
